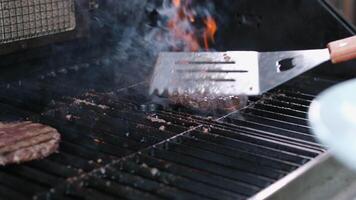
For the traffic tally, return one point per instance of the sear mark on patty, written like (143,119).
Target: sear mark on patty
(26,141)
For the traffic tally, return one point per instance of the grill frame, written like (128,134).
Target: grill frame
(275,188)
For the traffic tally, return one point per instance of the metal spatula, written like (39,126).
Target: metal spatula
(240,72)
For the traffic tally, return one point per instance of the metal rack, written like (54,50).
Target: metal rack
(20,20)
(111,149)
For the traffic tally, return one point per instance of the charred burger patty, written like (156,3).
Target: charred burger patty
(209,103)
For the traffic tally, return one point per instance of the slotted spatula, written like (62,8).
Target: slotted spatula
(240,72)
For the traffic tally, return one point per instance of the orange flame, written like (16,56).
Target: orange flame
(190,37)
(176,3)
(210,31)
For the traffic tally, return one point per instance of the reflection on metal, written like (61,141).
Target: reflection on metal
(347,7)
(321,178)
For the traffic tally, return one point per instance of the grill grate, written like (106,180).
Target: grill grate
(111,149)
(20,20)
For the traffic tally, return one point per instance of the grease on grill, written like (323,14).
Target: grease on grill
(85,102)
(152,107)
(154,118)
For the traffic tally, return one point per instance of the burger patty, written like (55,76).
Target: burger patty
(209,103)
(25,141)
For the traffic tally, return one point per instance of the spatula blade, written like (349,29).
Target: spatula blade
(213,73)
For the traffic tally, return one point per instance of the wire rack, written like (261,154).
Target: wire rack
(27,19)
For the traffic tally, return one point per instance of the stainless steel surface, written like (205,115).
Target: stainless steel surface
(212,73)
(270,76)
(323,178)
(230,73)
(21,20)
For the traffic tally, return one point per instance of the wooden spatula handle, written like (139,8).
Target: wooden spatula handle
(343,50)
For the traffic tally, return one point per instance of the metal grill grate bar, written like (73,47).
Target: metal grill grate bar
(281,110)
(224,171)
(117,190)
(263,135)
(10,194)
(196,151)
(198,175)
(53,168)
(282,166)
(276,131)
(285,104)
(119,175)
(20,184)
(276,123)
(35,176)
(163,177)
(252,148)
(278,116)
(266,142)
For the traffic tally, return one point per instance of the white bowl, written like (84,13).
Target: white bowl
(332,116)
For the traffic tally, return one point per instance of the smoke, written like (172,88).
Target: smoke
(138,31)
(143,27)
